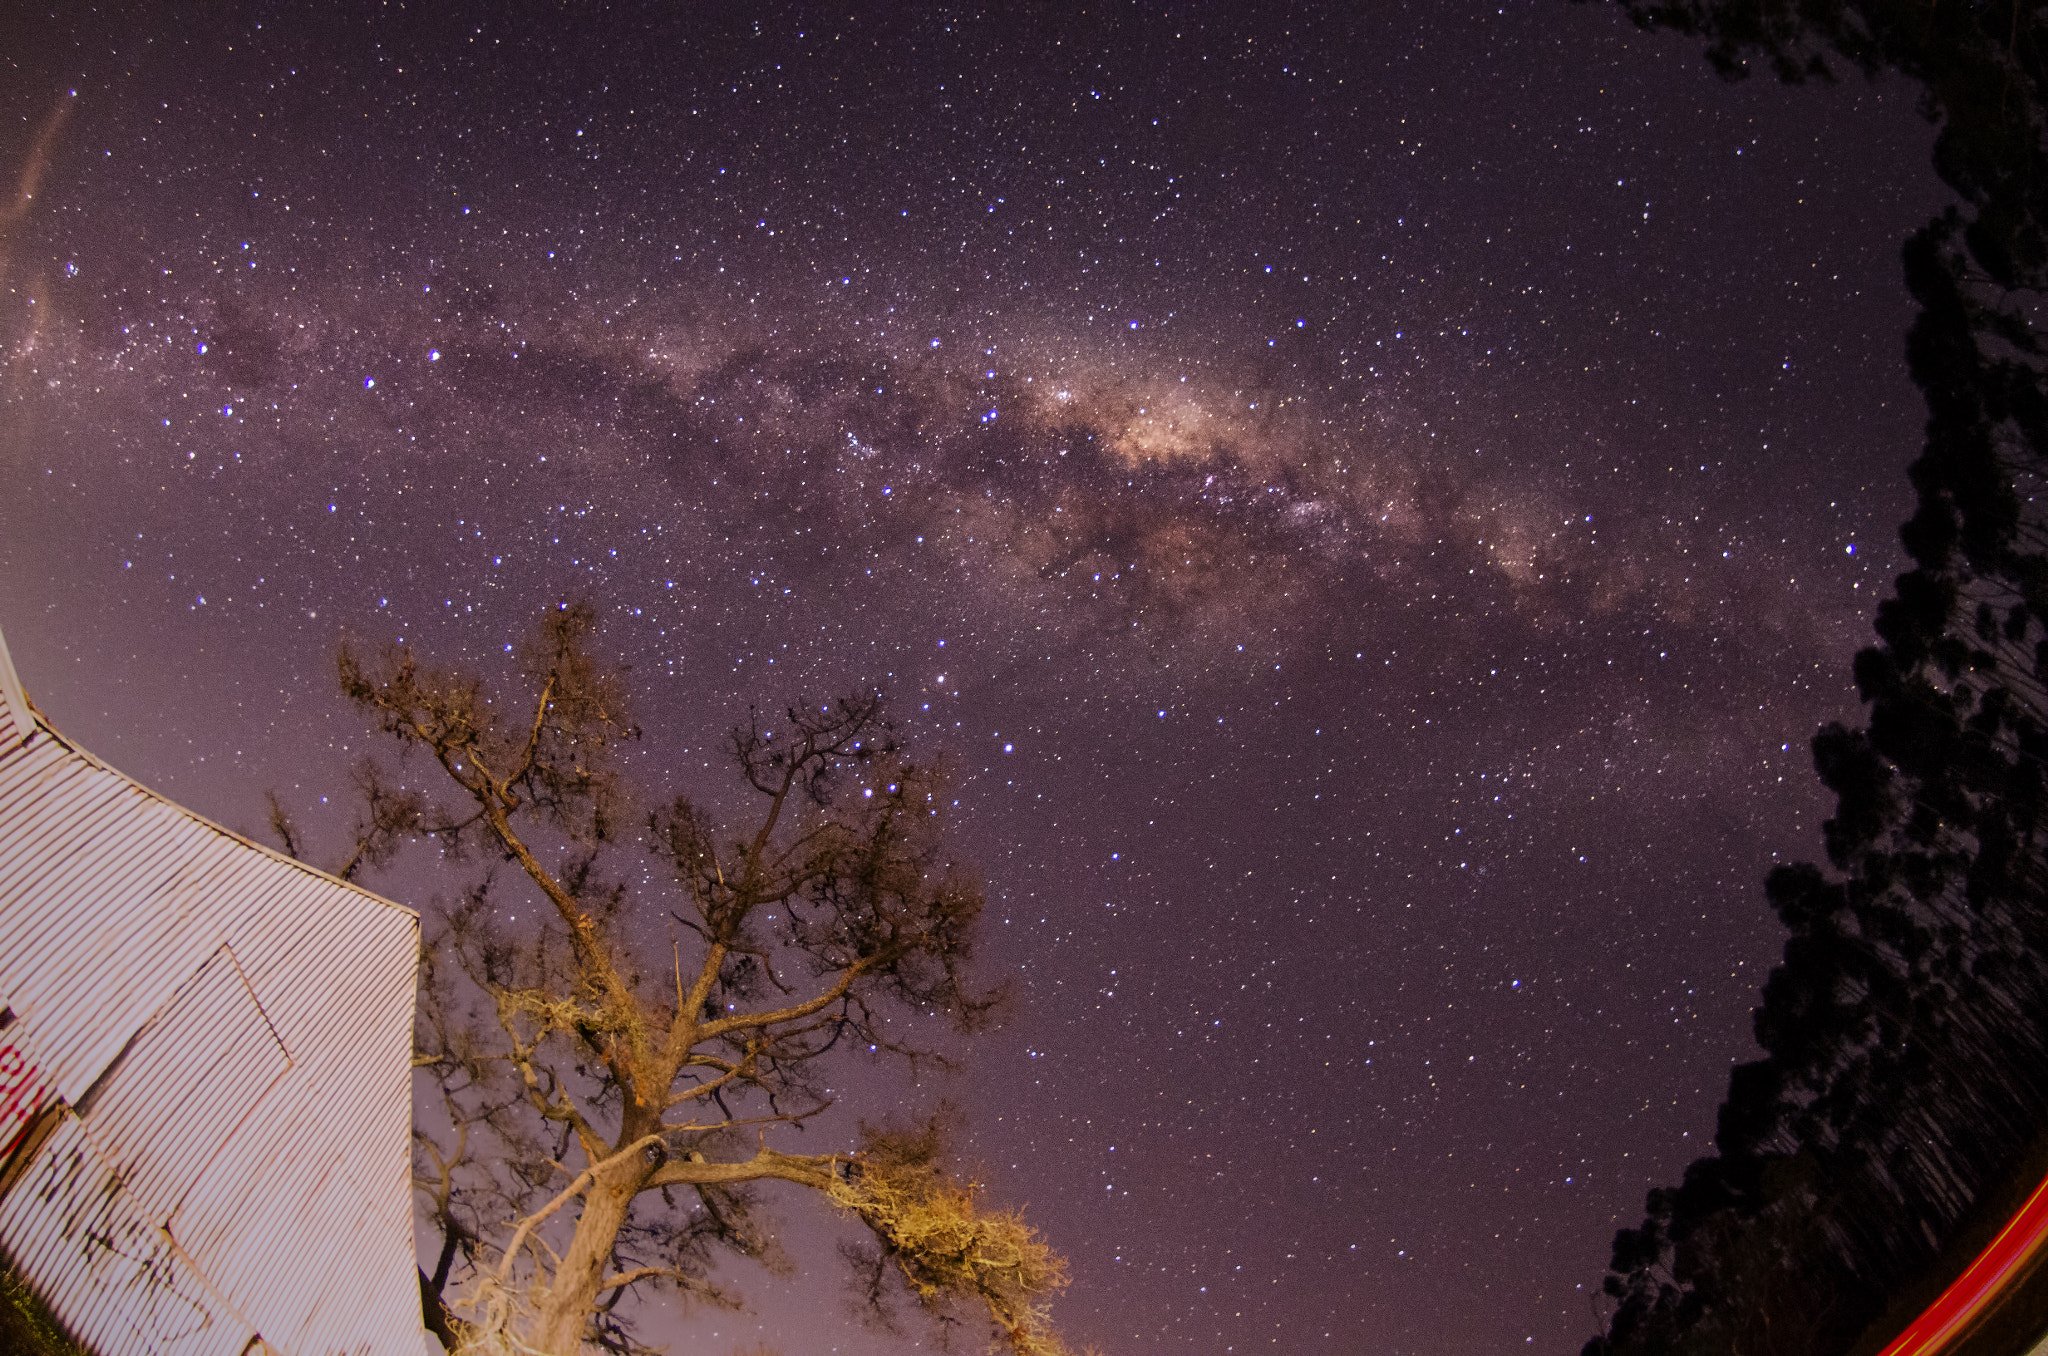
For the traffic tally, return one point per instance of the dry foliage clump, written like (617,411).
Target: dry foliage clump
(949,1252)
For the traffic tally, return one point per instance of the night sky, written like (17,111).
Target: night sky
(1373,500)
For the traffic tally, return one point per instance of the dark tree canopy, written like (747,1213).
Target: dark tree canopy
(1906,1030)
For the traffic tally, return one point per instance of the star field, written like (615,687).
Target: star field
(1372,504)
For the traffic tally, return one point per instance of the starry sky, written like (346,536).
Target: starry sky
(1372,499)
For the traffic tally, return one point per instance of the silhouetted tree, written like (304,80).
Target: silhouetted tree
(606,1102)
(1906,1030)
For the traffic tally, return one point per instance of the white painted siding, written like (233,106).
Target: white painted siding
(230,1034)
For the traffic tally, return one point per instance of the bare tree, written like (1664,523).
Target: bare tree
(610,1080)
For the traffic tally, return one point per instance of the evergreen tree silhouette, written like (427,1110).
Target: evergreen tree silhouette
(1906,1029)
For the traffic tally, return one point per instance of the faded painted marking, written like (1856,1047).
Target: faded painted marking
(22,1091)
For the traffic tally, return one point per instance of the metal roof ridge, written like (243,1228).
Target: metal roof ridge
(12,696)
(30,718)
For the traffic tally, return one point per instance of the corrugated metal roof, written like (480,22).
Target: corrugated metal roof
(232,1033)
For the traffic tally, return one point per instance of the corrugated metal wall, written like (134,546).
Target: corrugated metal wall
(230,1035)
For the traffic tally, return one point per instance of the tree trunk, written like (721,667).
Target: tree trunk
(566,1308)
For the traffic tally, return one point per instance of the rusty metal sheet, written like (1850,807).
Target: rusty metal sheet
(143,1118)
(232,1032)
(125,1290)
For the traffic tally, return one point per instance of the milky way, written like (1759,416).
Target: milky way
(1372,506)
